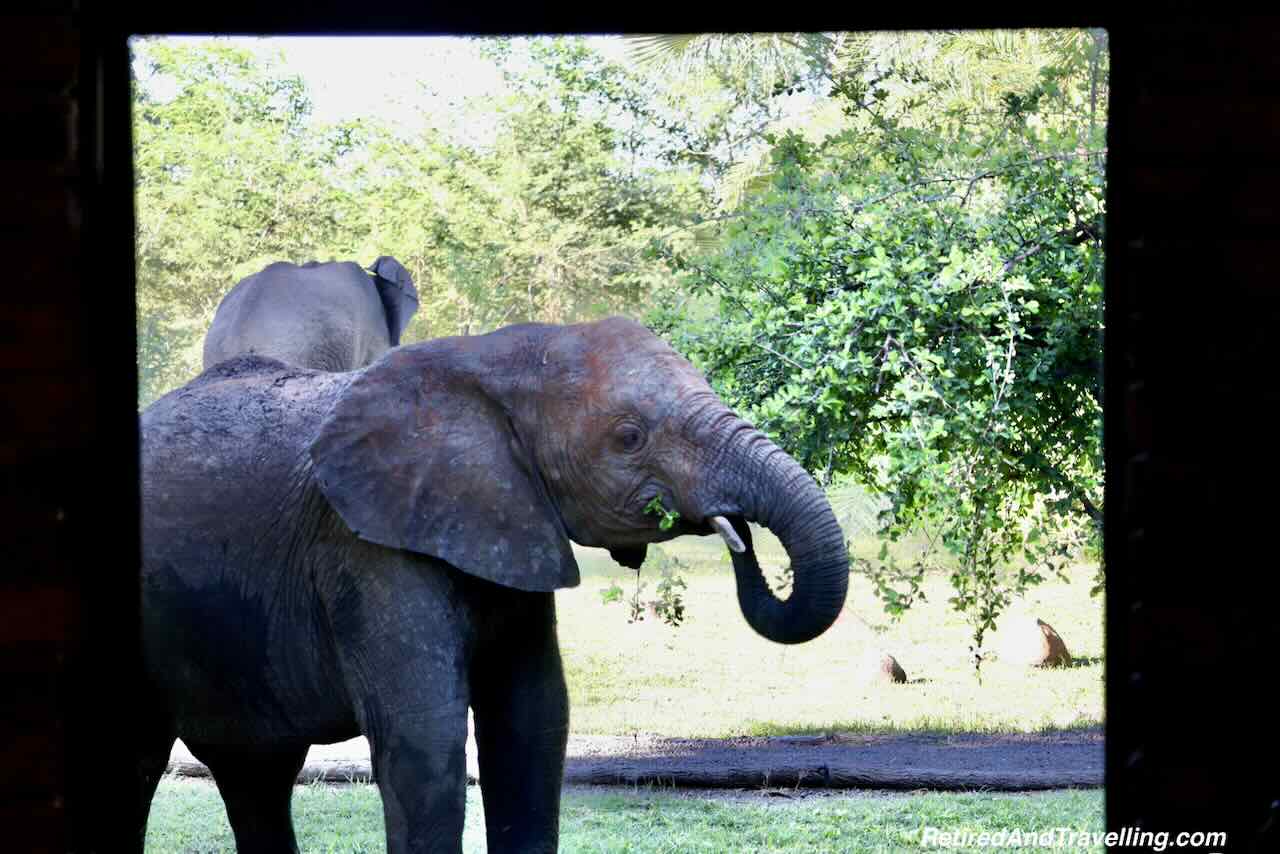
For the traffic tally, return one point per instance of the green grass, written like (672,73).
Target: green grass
(187,816)
(713,677)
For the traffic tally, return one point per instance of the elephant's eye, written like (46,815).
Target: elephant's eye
(630,438)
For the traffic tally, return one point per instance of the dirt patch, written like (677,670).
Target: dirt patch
(1018,762)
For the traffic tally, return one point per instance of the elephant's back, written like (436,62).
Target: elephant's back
(289,288)
(241,427)
(327,316)
(245,395)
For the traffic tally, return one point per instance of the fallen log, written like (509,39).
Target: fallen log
(825,777)
(938,762)
(668,775)
(328,771)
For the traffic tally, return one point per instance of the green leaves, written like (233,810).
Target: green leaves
(669,606)
(666,518)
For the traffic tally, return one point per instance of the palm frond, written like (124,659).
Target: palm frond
(659,49)
(766,53)
(742,177)
(707,238)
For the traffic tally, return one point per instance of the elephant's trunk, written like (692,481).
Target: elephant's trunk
(758,480)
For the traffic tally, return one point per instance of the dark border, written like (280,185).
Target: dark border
(109,264)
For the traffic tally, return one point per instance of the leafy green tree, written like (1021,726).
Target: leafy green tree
(738,88)
(230,175)
(915,301)
(535,203)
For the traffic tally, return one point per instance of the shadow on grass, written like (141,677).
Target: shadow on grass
(840,759)
(928,729)
(1077,661)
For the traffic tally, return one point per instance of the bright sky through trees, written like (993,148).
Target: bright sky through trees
(399,80)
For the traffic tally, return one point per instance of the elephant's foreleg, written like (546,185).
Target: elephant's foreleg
(521,710)
(406,636)
(150,762)
(256,785)
(419,760)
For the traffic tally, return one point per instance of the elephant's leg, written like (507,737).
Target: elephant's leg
(522,725)
(151,760)
(419,761)
(256,785)
(405,632)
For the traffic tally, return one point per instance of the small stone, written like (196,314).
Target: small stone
(1034,642)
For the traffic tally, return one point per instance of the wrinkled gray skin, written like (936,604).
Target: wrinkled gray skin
(330,554)
(328,316)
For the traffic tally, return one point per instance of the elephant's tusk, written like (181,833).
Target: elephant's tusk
(730,536)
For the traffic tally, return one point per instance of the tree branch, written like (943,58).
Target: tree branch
(769,349)
(1022,256)
(1091,510)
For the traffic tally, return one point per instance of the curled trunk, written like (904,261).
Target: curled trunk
(770,488)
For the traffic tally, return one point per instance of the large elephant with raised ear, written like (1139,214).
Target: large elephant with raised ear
(330,316)
(329,554)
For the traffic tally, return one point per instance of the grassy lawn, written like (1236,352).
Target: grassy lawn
(713,677)
(187,816)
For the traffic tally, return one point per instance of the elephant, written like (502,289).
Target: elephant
(328,316)
(375,552)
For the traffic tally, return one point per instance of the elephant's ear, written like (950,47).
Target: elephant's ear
(415,455)
(398,294)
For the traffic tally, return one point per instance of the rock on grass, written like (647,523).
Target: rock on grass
(1033,642)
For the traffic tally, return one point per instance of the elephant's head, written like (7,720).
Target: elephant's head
(491,452)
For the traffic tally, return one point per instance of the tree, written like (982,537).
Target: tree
(741,87)
(230,175)
(546,216)
(915,301)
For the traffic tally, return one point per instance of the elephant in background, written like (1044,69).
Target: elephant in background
(329,316)
(333,554)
